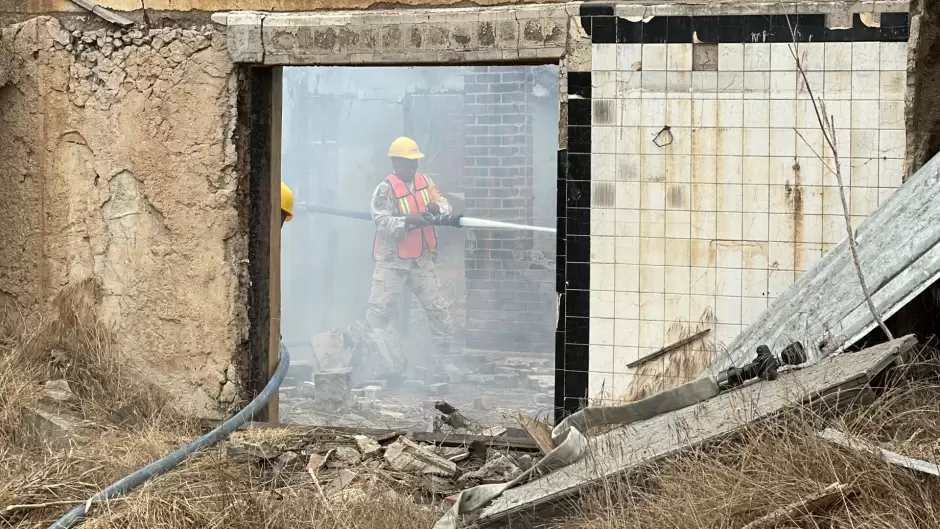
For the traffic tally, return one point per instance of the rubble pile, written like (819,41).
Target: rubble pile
(338,462)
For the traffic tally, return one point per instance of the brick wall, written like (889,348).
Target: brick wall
(510,299)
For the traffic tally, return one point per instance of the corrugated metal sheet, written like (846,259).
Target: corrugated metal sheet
(825,308)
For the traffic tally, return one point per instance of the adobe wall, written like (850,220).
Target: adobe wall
(119,164)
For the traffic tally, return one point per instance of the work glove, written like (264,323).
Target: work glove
(434,207)
(417,221)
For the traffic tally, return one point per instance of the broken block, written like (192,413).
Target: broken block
(371,392)
(484,402)
(414,385)
(437,389)
(332,388)
(367,446)
(404,455)
(506,381)
(544,399)
(454,374)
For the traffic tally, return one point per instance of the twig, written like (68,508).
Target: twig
(671,347)
(827,125)
(801,508)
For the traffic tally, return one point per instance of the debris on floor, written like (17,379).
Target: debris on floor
(339,462)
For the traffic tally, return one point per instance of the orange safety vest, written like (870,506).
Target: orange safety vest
(412,246)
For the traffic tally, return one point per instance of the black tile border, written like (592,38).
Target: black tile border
(573,245)
(604,27)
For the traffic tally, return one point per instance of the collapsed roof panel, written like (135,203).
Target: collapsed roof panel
(825,309)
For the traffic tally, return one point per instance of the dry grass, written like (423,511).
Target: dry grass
(39,483)
(775,465)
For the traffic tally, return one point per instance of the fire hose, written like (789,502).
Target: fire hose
(174,458)
(456,221)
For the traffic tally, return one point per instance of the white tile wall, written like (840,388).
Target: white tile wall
(737,200)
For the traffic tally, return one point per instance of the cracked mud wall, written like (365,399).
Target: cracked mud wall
(120,164)
(923,85)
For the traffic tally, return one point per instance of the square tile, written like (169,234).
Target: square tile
(627,168)
(604,84)
(629,57)
(704,84)
(702,279)
(755,226)
(679,84)
(652,307)
(653,112)
(629,112)
(893,85)
(629,84)
(629,138)
(752,308)
(730,113)
(677,280)
(627,305)
(783,142)
(780,170)
(655,57)
(652,168)
(730,141)
(654,84)
(866,56)
(679,112)
(891,144)
(603,140)
(811,174)
(729,224)
(891,115)
(602,331)
(756,57)
(704,225)
(864,200)
(603,249)
(783,85)
(779,280)
(705,169)
(782,57)
(603,57)
(838,56)
(756,141)
(809,142)
(628,223)
(754,283)
(652,253)
(679,57)
(729,311)
(704,198)
(628,275)
(756,85)
(782,113)
(864,172)
(602,221)
(653,225)
(602,303)
(865,85)
(730,57)
(757,196)
(626,333)
(812,56)
(865,144)
(810,85)
(677,224)
(730,170)
(730,85)
(838,85)
(755,170)
(704,112)
(602,169)
(729,198)
(890,173)
(627,193)
(678,250)
(652,332)
(865,115)
(893,56)
(704,142)
(602,276)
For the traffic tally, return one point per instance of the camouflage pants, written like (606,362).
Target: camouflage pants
(387,285)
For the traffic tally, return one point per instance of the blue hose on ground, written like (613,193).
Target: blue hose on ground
(162,466)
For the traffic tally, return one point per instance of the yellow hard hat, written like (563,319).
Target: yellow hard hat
(404,147)
(287,201)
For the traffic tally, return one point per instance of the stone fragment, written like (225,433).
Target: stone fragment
(484,402)
(346,455)
(367,446)
(438,389)
(404,455)
(544,399)
(498,470)
(331,389)
(342,480)
(58,391)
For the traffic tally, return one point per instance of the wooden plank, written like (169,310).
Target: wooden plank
(671,347)
(516,440)
(802,508)
(630,447)
(858,445)
(274,253)
(899,250)
(539,432)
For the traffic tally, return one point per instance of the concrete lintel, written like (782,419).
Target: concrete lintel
(424,36)
(757,8)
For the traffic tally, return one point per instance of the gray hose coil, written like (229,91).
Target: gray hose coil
(174,458)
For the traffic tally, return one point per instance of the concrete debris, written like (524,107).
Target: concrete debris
(483,403)
(437,390)
(343,479)
(407,456)
(371,353)
(346,456)
(496,470)
(331,389)
(367,446)
(58,391)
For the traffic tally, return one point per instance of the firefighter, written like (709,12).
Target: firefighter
(287,204)
(405,243)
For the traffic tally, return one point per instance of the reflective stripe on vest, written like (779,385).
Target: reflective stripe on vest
(412,246)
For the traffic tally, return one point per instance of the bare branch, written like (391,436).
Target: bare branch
(827,125)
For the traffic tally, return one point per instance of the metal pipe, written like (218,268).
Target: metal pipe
(174,458)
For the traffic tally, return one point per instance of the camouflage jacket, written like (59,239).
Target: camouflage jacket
(390,225)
